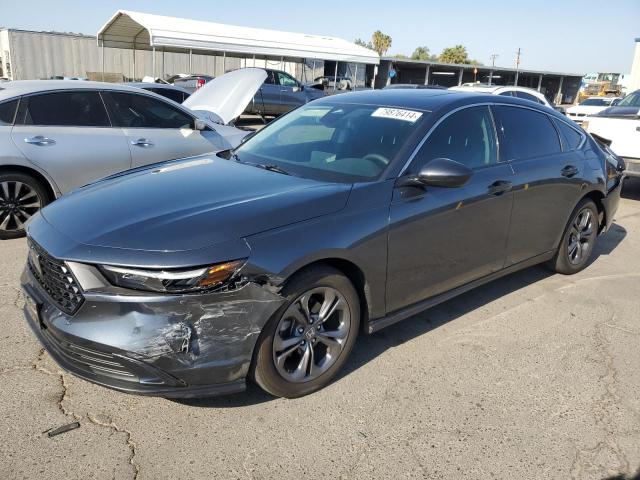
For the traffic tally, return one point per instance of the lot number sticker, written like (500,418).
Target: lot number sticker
(397,114)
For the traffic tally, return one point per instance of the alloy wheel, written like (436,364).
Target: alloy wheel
(580,236)
(18,202)
(311,334)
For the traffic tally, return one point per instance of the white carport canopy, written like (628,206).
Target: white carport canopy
(143,31)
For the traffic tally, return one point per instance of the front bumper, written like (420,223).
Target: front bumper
(162,345)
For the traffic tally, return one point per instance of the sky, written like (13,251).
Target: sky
(571,36)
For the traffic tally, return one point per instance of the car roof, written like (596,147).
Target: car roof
(156,85)
(426,100)
(25,87)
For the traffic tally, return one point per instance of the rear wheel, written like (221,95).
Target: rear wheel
(310,338)
(21,196)
(578,240)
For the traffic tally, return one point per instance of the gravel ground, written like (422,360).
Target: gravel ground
(533,376)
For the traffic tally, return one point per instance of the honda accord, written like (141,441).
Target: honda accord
(264,263)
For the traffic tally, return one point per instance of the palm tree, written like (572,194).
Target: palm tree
(381,42)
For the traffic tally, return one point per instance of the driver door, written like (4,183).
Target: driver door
(441,238)
(291,94)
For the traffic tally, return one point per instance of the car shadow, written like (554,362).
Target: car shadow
(368,347)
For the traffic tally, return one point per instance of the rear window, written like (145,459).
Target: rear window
(8,112)
(571,139)
(525,133)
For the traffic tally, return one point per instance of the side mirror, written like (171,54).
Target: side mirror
(200,125)
(439,172)
(298,88)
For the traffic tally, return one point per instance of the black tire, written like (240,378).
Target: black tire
(26,184)
(264,371)
(570,257)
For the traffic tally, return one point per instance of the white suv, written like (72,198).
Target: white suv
(509,91)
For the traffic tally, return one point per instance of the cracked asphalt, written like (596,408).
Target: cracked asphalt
(533,376)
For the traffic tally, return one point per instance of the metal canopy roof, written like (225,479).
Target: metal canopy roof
(127,29)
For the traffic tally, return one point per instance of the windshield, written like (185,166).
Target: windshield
(631,100)
(333,142)
(596,102)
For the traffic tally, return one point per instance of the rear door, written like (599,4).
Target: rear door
(547,183)
(267,100)
(155,130)
(68,135)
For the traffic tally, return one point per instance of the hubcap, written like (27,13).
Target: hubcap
(580,236)
(18,202)
(311,334)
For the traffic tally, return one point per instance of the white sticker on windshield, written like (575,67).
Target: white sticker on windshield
(398,114)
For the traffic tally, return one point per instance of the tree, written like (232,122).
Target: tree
(381,42)
(422,53)
(362,43)
(457,54)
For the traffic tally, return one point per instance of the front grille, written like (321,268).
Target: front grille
(55,278)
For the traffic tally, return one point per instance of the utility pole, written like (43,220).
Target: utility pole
(517,65)
(493,64)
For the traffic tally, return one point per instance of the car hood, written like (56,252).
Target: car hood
(631,112)
(224,98)
(189,204)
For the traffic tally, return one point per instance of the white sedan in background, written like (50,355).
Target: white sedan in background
(508,91)
(590,106)
(58,135)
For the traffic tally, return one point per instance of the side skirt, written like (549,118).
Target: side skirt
(394,317)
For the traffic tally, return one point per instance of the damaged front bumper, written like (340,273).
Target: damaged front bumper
(193,345)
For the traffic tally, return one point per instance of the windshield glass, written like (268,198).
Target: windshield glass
(631,100)
(333,142)
(596,102)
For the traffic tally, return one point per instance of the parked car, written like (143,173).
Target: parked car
(590,106)
(265,262)
(192,82)
(393,86)
(509,91)
(59,135)
(619,127)
(172,92)
(331,82)
(281,93)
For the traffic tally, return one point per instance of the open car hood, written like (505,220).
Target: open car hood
(225,97)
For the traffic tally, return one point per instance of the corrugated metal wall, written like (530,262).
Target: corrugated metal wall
(43,55)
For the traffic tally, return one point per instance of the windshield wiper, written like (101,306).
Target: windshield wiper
(271,168)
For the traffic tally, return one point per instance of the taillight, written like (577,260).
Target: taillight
(200,82)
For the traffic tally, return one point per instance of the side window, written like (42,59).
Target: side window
(466,136)
(286,80)
(271,78)
(69,109)
(169,93)
(527,96)
(506,94)
(571,139)
(525,133)
(8,112)
(130,110)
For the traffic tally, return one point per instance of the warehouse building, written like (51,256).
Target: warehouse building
(132,45)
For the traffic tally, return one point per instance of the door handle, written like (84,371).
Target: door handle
(499,187)
(569,171)
(40,141)
(142,142)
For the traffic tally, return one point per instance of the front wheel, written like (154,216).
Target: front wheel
(309,339)
(578,240)
(21,196)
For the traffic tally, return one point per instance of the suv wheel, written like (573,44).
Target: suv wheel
(21,196)
(308,340)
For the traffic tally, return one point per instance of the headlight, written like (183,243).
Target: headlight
(172,281)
